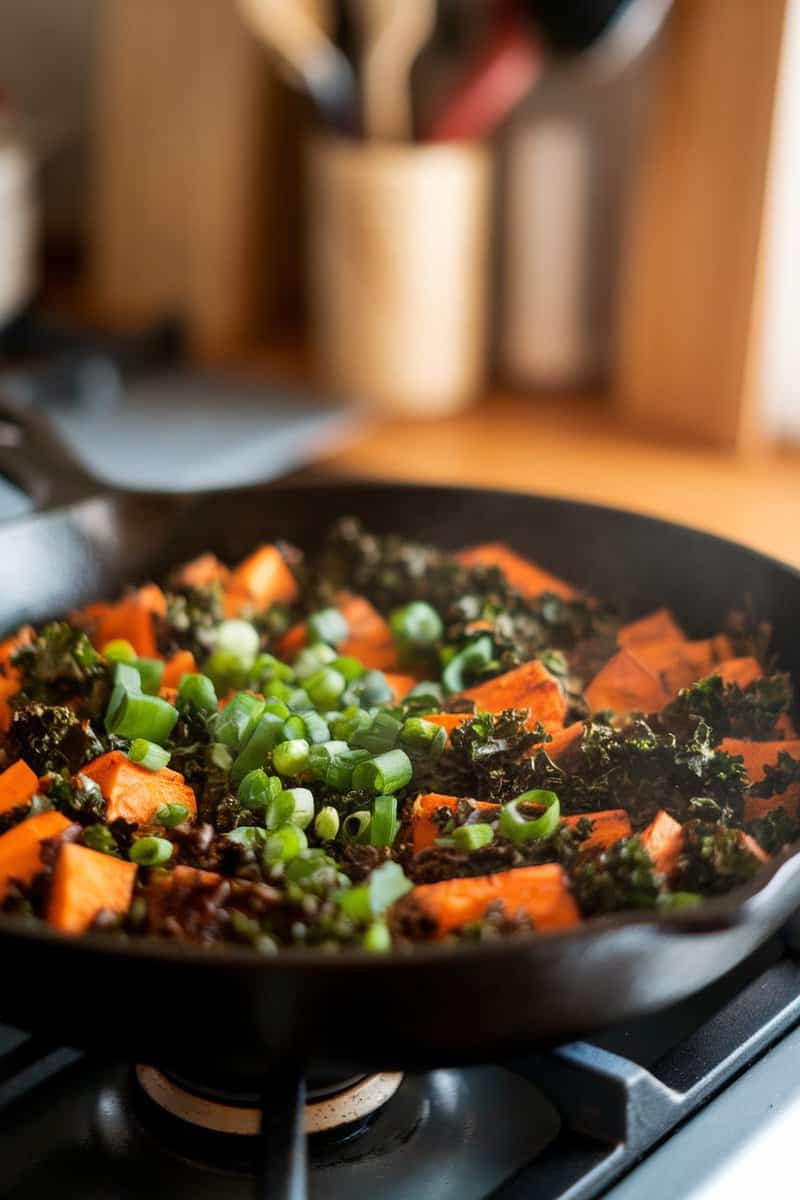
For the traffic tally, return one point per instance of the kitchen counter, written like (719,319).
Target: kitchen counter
(570,445)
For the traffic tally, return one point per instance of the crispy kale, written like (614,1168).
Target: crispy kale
(61,664)
(775,829)
(78,798)
(714,858)
(51,738)
(732,711)
(644,771)
(192,617)
(485,757)
(621,876)
(778,778)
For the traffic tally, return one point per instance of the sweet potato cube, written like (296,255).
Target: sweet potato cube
(526,576)
(85,883)
(134,793)
(18,785)
(20,847)
(626,684)
(528,686)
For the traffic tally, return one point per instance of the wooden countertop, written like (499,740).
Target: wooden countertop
(570,445)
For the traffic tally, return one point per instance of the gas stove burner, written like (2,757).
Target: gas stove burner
(329,1108)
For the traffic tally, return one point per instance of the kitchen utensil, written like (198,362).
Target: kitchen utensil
(398,254)
(310,58)
(235,1012)
(392,34)
(505,70)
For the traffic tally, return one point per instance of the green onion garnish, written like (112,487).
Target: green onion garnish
(325,687)
(328,626)
(326,823)
(198,692)
(291,758)
(280,809)
(417,626)
(150,851)
(472,837)
(316,728)
(257,790)
(119,650)
(267,670)
(226,671)
(148,754)
(299,700)
(311,659)
(515,825)
(372,689)
(377,939)
(386,884)
(423,739)
(278,690)
(294,727)
(252,836)
(351,668)
(380,735)
(278,707)
(235,723)
(320,758)
(265,737)
(384,774)
(355,827)
(284,844)
(339,774)
(464,666)
(302,813)
(170,815)
(385,825)
(151,671)
(238,638)
(140,716)
(126,679)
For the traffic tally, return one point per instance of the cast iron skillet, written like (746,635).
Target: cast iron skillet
(234,1012)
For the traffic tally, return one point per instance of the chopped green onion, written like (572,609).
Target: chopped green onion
(126,679)
(372,689)
(278,707)
(148,754)
(299,700)
(339,774)
(329,626)
(325,687)
(284,844)
(385,824)
(281,805)
(172,814)
(291,758)
(463,667)
(302,813)
(140,716)
(226,671)
(252,836)
(384,774)
(351,668)
(119,650)
(417,626)
(377,939)
(238,638)
(278,690)
(311,659)
(294,727)
(151,671)
(265,737)
(386,884)
(220,756)
(670,900)
(382,733)
(515,825)
(355,827)
(427,688)
(266,670)
(326,823)
(349,722)
(316,728)
(257,790)
(423,739)
(320,758)
(198,692)
(150,851)
(101,839)
(472,837)
(235,723)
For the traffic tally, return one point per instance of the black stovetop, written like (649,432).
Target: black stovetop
(554,1126)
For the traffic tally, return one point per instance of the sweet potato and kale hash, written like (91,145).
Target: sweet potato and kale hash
(383,745)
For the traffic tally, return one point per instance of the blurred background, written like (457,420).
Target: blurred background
(544,244)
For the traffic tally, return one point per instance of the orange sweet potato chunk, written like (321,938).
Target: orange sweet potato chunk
(182,663)
(424,829)
(663,839)
(134,793)
(541,893)
(261,579)
(526,576)
(86,882)
(659,626)
(608,826)
(742,671)
(18,785)
(528,686)
(626,684)
(20,847)
(758,755)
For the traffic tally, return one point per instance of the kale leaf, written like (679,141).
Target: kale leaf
(51,738)
(622,876)
(61,664)
(732,711)
(485,757)
(642,770)
(775,829)
(713,859)
(778,778)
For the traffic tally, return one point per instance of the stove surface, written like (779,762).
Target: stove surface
(688,1104)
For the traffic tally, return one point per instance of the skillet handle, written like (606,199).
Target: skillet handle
(35,458)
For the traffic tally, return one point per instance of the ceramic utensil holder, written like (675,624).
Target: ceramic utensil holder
(399,272)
